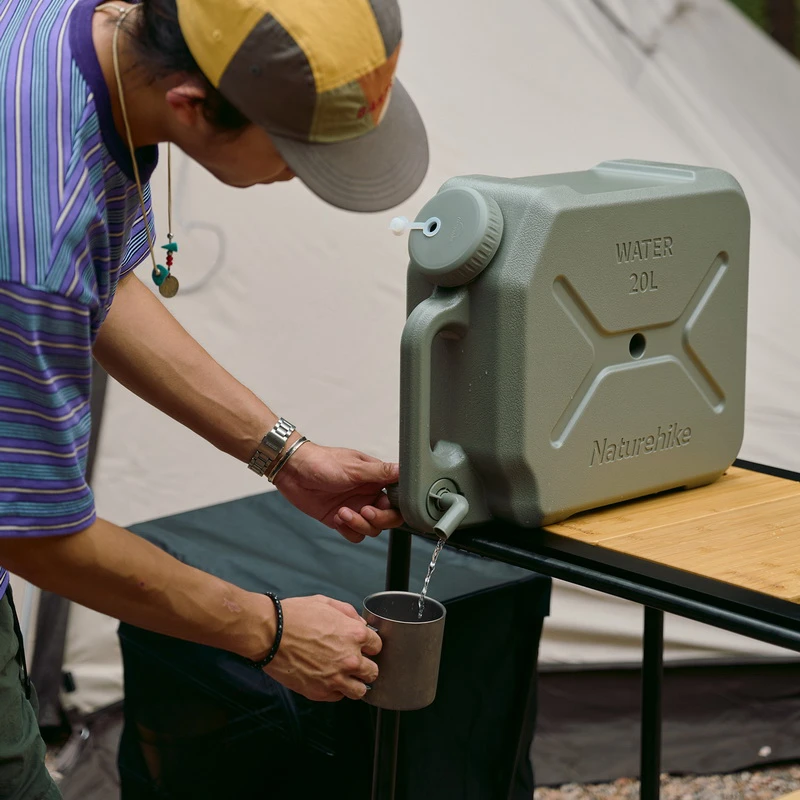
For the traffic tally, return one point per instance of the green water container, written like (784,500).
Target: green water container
(572,341)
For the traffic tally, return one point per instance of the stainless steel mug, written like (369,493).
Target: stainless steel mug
(412,649)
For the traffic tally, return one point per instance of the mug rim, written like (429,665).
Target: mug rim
(436,603)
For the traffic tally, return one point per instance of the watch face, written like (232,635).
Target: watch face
(274,445)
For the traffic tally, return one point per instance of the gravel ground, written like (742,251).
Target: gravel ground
(763,784)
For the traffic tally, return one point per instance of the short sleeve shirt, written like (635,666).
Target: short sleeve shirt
(71,226)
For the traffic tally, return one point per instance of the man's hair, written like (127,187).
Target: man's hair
(158,39)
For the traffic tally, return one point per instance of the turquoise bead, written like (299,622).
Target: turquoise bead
(159,274)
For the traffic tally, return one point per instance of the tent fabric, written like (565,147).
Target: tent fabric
(707,74)
(86,767)
(532,87)
(717,718)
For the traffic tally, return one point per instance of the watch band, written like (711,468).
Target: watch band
(270,447)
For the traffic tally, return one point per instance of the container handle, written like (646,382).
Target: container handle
(446,311)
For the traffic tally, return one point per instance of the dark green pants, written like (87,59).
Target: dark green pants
(23,775)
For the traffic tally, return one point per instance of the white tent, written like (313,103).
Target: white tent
(513,88)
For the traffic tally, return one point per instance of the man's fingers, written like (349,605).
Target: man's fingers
(354,689)
(381,473)
(347,531)
(382,518)
(333,697)
(372,642)
(345,608)
(357,523)
(355,538)
(356,685)
(383,502)
(367,671)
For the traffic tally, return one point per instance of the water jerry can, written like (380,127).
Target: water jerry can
(572,341)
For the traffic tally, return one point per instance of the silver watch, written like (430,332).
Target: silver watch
(271,447)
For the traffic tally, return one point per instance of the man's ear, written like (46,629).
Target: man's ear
(186,101)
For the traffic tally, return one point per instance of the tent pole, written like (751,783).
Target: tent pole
(27,608)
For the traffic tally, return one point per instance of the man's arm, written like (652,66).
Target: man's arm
(49,533)
(144,347)
(113,571)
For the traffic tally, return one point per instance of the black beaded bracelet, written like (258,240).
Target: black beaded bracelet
(278,633)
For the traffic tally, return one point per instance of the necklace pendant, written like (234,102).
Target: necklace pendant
(170,286)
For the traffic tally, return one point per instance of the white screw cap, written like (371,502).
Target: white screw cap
(399,225)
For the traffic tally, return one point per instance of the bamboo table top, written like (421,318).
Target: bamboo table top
(744,529)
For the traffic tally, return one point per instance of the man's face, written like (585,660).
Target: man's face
(242,158)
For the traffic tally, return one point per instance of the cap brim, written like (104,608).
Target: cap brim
(374,172)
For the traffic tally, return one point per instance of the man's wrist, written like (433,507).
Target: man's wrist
(286,457)
(290,442)
(261,663)
(271,447)
(262,626)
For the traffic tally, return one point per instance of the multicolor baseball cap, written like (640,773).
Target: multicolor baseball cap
(319,76)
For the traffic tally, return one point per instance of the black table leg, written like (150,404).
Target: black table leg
(384,769)
(652,677)
(387,731)
(399,561)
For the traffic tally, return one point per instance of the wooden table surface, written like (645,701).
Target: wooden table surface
(744,529)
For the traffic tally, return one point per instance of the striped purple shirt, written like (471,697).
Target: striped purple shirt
(70,227)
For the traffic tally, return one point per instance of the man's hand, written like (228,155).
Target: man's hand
(321,654)
(342,488)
